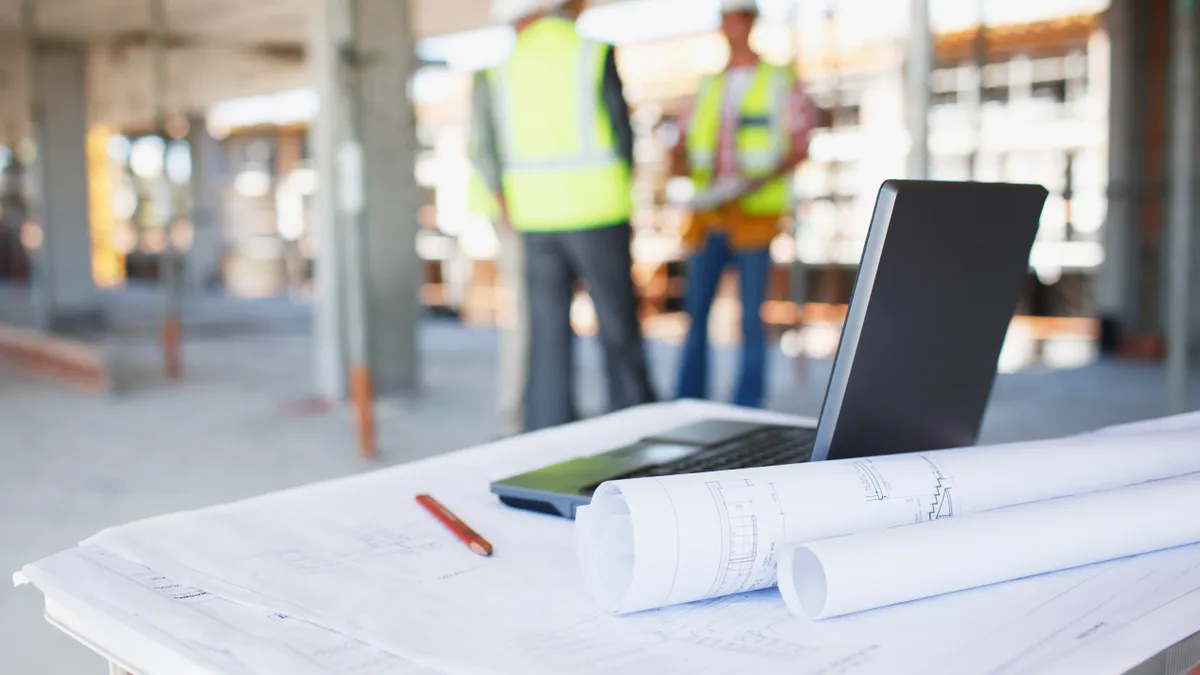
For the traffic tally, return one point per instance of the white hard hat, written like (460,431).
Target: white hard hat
(739,5)
(508,11)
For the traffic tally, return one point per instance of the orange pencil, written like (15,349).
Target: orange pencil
(460,529)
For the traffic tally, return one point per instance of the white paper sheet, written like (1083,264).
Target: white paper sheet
(353,556)
(354,546)
(1112,616)
(843,575)
(1188,422)
(655,542)
(720,192)
(194,631)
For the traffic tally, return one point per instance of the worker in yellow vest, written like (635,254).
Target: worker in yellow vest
(744,137)
(553,139)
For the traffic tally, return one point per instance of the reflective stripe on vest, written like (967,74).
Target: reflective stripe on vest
(762,141)
(562,170)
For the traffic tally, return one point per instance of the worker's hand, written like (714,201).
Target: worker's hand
(503,223)
(678,163)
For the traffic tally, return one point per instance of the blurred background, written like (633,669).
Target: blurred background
(180,168)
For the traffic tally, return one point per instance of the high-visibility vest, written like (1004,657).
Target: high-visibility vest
(762,141)
(561,166)
(480,200)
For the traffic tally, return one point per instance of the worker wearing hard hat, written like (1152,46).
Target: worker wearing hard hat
(553,139)
(744,137)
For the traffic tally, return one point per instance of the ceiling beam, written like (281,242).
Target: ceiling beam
(287,52)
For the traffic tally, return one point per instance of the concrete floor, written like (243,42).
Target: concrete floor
(72,464)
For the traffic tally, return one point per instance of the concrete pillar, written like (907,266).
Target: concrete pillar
(203,263)
(1115,289)
(1178,258)
(1155,37)
(64,294)
(1130,290)
(917,96)
(364,144)
(979,63)
(329,331)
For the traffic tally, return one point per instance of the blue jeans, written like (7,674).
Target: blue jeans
(703,276)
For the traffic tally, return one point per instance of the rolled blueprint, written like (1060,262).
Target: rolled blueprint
(868,570)
(721,192)
(652,542)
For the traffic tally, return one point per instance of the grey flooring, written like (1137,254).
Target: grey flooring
(71,464)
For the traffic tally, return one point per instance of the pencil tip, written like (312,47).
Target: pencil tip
(480,549)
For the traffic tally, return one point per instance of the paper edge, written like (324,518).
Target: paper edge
(785,581)
(587,524)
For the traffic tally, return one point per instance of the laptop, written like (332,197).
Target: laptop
(937,287)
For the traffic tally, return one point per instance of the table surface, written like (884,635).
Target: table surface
(190,549)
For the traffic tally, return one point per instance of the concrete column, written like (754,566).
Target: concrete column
(203,262)
(1182,195)
(1155,39)
(1116,293)
(329,311)
(1131,289)
(64,294)
(979,63)
(917,96)
(364,143)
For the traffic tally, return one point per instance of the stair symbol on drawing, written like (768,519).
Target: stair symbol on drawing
(942,505)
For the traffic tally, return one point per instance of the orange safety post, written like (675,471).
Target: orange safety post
(363,397)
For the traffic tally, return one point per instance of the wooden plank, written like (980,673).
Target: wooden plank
(74,364)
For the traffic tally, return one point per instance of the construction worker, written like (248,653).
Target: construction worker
(745,135)
(553,139)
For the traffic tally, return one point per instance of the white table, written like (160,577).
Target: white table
(110,594)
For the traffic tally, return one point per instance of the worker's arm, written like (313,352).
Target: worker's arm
(680,162)
(617,107)
(485,155)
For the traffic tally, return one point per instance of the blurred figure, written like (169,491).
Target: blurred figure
(557,150)
(745,135)
(514,336)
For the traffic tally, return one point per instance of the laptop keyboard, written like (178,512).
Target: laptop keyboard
(768,446)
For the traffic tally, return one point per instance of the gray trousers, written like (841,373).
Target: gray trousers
(554,261)
(514,337)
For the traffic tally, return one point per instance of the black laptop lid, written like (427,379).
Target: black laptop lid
(939,282)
